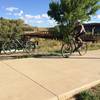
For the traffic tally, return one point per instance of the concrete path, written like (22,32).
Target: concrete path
(48,79)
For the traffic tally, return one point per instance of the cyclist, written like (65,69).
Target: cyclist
(79,31)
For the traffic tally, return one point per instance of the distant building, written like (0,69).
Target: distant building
(93,27)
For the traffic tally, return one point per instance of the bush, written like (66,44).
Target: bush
(91,94)
(88,95)
(9,27)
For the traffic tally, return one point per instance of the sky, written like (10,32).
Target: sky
(33,12)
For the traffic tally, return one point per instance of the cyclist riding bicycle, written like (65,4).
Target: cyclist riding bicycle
(79,31)
(75,43)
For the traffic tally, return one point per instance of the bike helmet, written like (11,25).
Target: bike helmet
(77,22)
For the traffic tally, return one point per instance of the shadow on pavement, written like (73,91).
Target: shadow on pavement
(47,56)
(84,57)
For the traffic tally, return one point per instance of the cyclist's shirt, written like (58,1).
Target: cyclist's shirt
(79,29)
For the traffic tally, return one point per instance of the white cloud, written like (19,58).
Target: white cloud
(14,11)
(37,17)
(36,21)
(11,9)
(39,21)
(98,16)
(28,19)
(45,16)
(9,13)
(25,20)
(29,16)
(19,13)
(52,22)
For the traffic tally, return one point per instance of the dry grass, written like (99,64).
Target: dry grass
(49,46)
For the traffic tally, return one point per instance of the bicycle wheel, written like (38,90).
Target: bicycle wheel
(66,50)
(9,47)
(30,46)
(83,49)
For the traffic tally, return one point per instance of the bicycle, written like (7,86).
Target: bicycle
(13,44)
(9,47)
(72,46)
(26,45)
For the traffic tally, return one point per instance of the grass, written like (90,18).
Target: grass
(49,46)
(91,94)
(54,46)
(93,46)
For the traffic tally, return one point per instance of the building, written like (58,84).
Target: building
(93,27)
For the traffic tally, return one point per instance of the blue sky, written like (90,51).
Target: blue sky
(33,12)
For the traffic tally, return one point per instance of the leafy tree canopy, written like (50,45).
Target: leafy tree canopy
(9,26)
(66,12)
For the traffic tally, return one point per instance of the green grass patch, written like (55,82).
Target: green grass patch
(91,94)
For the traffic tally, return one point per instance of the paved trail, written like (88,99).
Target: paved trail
(48,79)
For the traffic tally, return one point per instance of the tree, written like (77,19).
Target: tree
(9,26)
(66,12)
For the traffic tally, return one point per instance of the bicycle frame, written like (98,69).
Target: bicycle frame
(71,46)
